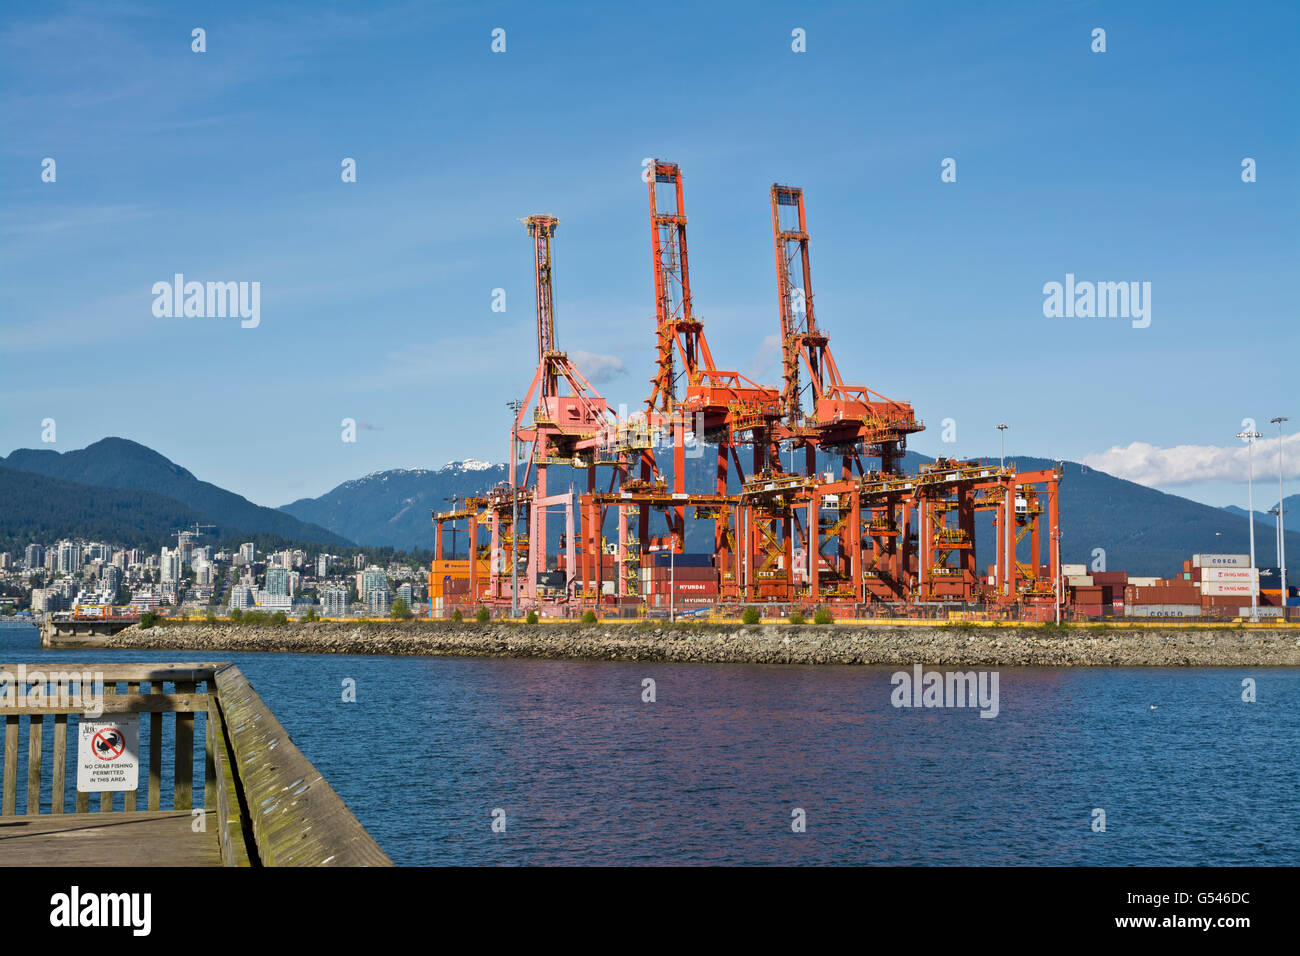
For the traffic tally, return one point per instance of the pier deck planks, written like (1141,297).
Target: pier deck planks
(145,838)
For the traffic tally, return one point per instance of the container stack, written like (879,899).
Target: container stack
(683,581)
(1163,597)
(1085,593)
(1112,585)
(1227,583)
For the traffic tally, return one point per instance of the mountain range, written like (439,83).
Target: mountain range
(64,494)
(1290,504)
(121,491)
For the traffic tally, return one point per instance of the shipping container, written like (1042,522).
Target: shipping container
(1071,569)
(1228,588)
(1162,610)
(1270,612)
(1243,575)
(1226,600)
(1220,560)
(681,587)
(1078,580)
(662,559)
(683,574)
(1175,594)
(1143,582)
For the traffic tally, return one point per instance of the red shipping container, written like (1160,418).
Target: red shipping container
(1181,593)
(684,574)
(1226,601)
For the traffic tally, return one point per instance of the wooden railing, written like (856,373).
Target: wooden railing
(61,691)
(269,804)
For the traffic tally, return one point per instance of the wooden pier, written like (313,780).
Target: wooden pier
(262,804)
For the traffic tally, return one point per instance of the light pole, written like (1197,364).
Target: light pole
(672,586)
(1277,545)
(514,405)
(454,499)
(1281,527)
(1002,456)
(1249,438)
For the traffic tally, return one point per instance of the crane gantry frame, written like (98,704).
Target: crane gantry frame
(890,536)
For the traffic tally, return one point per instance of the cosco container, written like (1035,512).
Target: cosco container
(1162,610)
(1220,560)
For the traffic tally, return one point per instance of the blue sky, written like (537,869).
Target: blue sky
(376,295)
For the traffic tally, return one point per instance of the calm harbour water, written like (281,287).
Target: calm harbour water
(586,772)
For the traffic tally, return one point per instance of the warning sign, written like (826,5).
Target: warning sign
(107,754)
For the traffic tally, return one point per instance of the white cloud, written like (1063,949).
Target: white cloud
(599,368)
(1150,465)
(766,363)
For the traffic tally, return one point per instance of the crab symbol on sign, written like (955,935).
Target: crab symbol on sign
(109,744)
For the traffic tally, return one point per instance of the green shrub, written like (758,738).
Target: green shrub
(482,615)
(400,611)
(147,620)
(457,616)
(822,616)
(531,618)
(236,613)
(278,618)
(589,617)
(750,616)
(796,617)
(211,618)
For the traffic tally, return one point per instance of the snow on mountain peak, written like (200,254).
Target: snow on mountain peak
(469,464)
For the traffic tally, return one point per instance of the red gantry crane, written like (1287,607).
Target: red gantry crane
(721,405)
(566,425)
(875,536)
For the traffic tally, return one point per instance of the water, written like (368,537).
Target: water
(709,774)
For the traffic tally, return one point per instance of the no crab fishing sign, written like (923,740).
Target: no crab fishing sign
(107,754)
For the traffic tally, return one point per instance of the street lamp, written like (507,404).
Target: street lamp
(1276,512)
(1281,527)
(672,586)
(1056,533)
(1249,439)
(1002,455)
(514,405)
(454,499)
